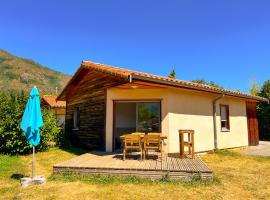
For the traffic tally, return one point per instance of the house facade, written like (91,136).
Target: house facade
(105,102)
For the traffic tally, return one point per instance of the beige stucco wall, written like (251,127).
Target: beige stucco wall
(238,134)
(194,110)
(61,120)
(186,109)
(60,115)
(190,110)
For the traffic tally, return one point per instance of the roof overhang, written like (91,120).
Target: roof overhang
(182,85)
(127,76)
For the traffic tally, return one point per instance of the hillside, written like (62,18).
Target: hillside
(22,74)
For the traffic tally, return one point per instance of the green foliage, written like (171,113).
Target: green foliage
(172,74)
(264,112)
(10,75)
(52,79)
(211,83)
(165,177)
(12,139)
(50,130)
(255,88)
(195,180)
(10,165)
(5,67)
(61,139)
(265,91)
(226,152)
(2,59)
(68,176)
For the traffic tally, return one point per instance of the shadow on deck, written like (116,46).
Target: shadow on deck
(102,163)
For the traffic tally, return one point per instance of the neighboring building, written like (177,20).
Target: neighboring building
(104,102)
(58,107)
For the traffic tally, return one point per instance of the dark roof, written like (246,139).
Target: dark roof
(131,74)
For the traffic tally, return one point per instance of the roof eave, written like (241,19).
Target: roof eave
(61,97)
(87,65)
(176,84)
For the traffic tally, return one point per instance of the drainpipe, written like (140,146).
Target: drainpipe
(215,120)
(130,78)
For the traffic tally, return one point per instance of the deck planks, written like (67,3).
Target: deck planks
(112,164)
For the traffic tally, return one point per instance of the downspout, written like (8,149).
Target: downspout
(215,120)
(130,78)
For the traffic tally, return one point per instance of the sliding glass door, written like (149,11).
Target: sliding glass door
(132,116)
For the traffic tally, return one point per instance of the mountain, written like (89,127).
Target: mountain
(18,73)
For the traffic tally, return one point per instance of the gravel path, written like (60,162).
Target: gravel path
(263,149)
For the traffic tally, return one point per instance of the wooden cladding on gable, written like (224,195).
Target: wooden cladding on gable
(89,96)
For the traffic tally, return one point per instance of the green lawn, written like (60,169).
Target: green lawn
(236,177)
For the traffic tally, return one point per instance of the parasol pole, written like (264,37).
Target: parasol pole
(33,163)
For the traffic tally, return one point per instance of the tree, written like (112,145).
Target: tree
(202,81)
(255,88)
(172,74)
(264,112)
(12,139)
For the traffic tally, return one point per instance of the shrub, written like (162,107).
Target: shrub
(12,139)
(50,131)
(61,139)
(264,112)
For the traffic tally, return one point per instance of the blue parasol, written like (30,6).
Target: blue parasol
(32,122)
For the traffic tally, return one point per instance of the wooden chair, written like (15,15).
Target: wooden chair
(152,142)
(189,143)
(132,142)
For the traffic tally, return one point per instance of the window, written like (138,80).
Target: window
(76,118)
(224,117)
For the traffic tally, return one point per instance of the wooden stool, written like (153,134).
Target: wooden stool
(189,143)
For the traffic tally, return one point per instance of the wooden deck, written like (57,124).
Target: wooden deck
(112,164)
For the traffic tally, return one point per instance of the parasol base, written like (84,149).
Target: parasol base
(37,180)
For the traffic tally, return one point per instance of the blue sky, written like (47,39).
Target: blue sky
(224,41)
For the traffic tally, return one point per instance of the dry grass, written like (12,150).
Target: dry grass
(240,177)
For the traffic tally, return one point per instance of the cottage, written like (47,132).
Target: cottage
(57,107)
(105,102)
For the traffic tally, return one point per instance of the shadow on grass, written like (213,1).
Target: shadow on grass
(17,176)
(74,150)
